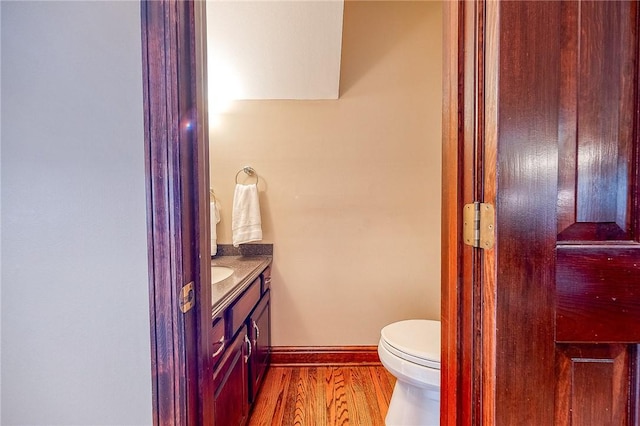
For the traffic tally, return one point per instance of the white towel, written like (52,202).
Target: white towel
(246,225)
(214,215)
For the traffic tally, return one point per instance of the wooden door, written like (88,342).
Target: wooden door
(547,322)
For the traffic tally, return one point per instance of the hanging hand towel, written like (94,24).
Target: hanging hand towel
(214,215)
(246,225)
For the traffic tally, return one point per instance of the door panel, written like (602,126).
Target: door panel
(598,294)
(594,383)
(596,120)
(604,108)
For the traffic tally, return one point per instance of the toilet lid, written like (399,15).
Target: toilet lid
(416,341)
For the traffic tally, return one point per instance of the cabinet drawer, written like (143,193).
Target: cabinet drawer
(242,308)
(216,339)
(266,279)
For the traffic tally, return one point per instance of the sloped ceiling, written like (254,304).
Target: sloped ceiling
(285,49)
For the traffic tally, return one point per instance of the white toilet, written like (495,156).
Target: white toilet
(410,350)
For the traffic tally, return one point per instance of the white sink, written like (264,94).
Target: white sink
(219,273)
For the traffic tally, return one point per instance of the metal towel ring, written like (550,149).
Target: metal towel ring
(249,171)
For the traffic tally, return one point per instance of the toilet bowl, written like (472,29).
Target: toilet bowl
(410,350)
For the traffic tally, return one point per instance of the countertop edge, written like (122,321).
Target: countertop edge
(226,300)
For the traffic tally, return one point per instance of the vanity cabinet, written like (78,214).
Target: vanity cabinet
(239,366)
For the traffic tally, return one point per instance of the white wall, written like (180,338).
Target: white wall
(274,49)
(75,320)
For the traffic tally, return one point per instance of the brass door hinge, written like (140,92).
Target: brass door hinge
(187,297)
(479,225)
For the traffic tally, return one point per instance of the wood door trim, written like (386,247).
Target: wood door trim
(176,174)
(455,368)
(488,174)
(167,348)
(286,356)
(463,171)
(450,390)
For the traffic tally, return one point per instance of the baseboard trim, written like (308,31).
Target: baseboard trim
(284,356)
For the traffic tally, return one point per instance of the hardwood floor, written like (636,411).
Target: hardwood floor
(323,396)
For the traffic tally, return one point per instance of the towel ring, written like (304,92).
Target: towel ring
(249,171)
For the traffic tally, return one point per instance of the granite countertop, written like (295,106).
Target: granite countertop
(245,270)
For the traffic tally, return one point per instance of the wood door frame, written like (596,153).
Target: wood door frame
(469,138)
(166,26)
(177,182)
(453,388)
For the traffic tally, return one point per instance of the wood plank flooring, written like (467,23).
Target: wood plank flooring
(323,396)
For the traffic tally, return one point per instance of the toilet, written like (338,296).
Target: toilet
(410,350)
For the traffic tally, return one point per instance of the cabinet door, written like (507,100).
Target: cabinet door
(260,332)
(230,382)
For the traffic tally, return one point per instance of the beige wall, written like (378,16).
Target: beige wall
(350,188)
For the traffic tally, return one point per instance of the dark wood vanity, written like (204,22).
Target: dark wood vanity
(240,349)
